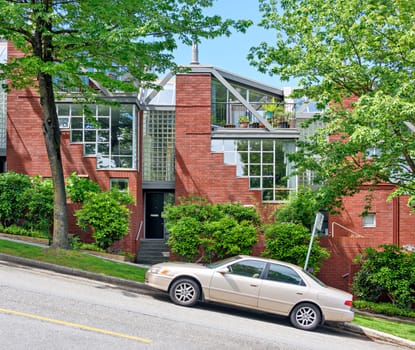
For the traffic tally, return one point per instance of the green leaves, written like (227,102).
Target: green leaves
(363,51)
(67,39)
(389,271)
(198,229)
(12,193)
(289,242)
(106,215)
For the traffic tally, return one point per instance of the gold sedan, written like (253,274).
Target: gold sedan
(255,283)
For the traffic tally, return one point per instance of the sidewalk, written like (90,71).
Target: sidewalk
(143,289)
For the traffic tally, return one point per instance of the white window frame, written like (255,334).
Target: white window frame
(369,220)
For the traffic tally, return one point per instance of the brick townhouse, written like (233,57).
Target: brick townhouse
(189,139)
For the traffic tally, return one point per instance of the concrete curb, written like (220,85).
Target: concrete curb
(144,289)
(376,335)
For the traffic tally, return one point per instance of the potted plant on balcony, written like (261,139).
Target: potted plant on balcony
(273,110)
(243,121)
(283,120)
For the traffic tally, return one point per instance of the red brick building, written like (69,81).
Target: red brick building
(188,139)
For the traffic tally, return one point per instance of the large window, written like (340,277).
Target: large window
(106,132)
(263,161)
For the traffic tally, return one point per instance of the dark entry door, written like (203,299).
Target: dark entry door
(154,221)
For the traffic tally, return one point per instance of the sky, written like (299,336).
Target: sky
(229,53)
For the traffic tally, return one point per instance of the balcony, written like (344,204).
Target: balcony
(261,120)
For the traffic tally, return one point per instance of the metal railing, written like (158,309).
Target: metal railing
(236,115)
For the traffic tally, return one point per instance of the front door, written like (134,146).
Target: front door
(154,221)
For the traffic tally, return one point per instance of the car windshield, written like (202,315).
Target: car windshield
(218,263)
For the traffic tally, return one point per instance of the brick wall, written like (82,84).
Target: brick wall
(394,225)
(199,171)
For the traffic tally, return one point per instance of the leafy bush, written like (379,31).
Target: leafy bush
(20,231)
(300,209)
(12,202)
(106,215)
(78,188)
(289,242)
(210,231)
(389,271)
(383,308)
(39,202)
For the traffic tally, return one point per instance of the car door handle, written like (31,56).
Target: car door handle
(299,293)
(254,285)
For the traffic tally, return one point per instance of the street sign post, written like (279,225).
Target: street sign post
(318,225)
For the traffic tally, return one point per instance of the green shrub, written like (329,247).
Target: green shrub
(12,203)
(389,271)
(92,247)
(20,231)
(78,188)
(39,201)
(231,237)
(186,235)
(383,308)
(108,218)
(198,228)
(300,209)
(289,242)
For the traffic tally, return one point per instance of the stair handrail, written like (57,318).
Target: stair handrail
(140,228)
(354,233)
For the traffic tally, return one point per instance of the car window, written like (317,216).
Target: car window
(283,274)
(249,268)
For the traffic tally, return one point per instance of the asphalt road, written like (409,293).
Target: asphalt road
(41,309)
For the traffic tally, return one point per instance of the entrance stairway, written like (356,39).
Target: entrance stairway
(152,252)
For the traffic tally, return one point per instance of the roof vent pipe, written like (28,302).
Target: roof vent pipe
(195,53)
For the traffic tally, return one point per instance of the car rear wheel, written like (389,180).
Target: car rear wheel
(185,292)
(305,316)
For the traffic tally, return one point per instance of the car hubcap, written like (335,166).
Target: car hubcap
(185,292)
(306,316)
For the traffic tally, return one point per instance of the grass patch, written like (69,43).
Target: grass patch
(74,259)
(398,329)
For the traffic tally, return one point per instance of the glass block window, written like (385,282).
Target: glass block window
(106,132)
(264,162)
(158,145)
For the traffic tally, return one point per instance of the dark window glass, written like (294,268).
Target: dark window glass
(280,273)
(249,268)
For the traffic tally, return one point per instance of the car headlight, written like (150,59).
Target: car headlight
(159,271)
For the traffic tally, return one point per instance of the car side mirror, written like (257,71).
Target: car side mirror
(223,270)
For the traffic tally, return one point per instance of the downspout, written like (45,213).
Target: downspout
(396,221)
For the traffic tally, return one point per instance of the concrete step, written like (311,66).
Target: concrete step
(152,252)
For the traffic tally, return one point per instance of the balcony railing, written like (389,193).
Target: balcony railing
(236,115)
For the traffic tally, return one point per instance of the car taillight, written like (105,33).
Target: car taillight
(348,303)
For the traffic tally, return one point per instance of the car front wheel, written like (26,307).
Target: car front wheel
(305,316)
(184,292)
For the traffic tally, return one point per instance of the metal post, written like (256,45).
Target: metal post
(318,223)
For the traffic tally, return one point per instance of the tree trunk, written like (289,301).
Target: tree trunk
(51,133)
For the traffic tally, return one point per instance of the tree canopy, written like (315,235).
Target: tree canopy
(120,45)
(356,59)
